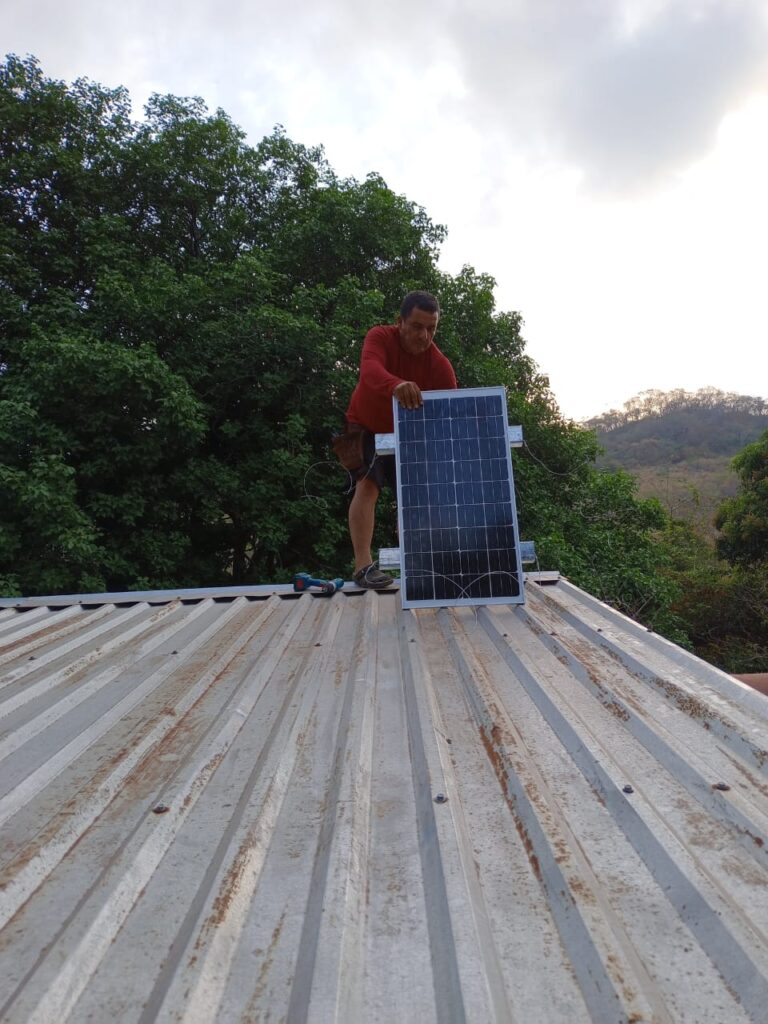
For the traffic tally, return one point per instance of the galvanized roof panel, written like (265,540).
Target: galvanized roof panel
(263,808)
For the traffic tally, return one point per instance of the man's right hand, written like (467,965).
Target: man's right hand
(408,394)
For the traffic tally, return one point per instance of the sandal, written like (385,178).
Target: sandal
(370,577)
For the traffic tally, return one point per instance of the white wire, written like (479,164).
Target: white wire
(316,498)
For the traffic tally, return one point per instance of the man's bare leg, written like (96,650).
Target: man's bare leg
(362,514)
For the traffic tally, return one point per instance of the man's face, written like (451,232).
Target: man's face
(417,330)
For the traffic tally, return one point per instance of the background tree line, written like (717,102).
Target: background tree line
(680,447)
(181,317)
(655,403)
(722,589)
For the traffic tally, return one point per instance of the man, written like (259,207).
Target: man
(399,359)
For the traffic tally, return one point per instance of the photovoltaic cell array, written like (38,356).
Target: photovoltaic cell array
(456,505)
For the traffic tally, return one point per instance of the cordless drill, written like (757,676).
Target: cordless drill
(303,581)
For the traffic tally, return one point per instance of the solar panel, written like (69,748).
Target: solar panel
(456,501)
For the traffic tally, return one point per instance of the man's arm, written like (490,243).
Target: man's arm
(374,372)
(373,363)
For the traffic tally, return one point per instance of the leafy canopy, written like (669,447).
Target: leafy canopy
(743,520)
(181,316)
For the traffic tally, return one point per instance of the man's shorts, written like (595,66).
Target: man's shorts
(379,468)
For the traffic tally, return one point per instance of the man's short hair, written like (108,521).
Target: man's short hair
(419,300)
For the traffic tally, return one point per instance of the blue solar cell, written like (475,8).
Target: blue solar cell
(458,529)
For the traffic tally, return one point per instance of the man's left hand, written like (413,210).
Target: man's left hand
(408,394)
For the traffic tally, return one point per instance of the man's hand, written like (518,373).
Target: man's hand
(408,394)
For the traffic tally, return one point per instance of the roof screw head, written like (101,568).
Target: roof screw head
(723,786)
(627,789)
(160,809)
(441,798)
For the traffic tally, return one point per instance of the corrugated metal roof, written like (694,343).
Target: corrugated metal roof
(252,808)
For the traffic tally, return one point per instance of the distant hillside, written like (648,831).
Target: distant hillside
(680,444)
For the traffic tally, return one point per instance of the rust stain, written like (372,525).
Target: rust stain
(147,773)
(580,888)
(705,831)
(750,873)
(268,958)
(562,853)
(487,662)
(616,709)
(629,699)
(757,840)
(690,705)
(585,654)
(627,992)
(534,860)
(491,742)
(30,850)
(33,849)
(229,886)
(204,775)
(36,639)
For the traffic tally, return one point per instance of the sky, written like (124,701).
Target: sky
(606,161)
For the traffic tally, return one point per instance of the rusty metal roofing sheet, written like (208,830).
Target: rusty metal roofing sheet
(252,808)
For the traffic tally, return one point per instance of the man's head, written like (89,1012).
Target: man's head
(418,319)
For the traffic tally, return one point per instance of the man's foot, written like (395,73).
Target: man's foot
(370,577)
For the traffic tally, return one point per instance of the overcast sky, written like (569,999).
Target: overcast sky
(605,160)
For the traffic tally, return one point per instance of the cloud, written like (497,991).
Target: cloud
(537,130)
(628,92)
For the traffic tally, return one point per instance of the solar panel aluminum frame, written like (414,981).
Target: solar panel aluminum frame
(518,598)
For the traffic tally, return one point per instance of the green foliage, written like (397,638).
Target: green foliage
(727,613)
(743,520)
(723,593)
(181,318)
(682,410)
(724,608)
(603,538)
(89,436)
(679,445)
(670,430)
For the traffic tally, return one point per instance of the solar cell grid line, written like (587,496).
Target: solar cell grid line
(459,541)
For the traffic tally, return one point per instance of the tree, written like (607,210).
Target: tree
(722,589)
(182,316)
(88,423)
(743,520)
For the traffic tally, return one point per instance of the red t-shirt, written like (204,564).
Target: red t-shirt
(383,365)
